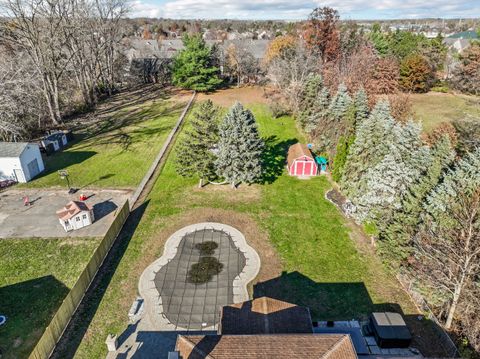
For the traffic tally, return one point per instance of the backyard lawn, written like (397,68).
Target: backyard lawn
(307,254)
(116,148)
(36,274)
(434,108)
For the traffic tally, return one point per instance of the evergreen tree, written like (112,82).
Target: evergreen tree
(396,239)
(361,106)
(310,92)
(319,111)
(193,66)
(462,180)
(373,138)
(340,103)
(195,156)
(386,182)
(240,147)
(343,148)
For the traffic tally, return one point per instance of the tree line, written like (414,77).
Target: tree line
(57,56)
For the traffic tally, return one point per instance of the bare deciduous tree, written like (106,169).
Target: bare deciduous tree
(449,253)
(290,72)
(37,29)
(21,105)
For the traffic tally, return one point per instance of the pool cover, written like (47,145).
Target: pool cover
(196,306)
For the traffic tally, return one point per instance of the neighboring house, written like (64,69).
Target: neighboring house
(20,161)
(75,215)
(264,328)
(457,44)
(300,161)
(469,35)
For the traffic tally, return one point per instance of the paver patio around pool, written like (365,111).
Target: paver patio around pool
(40,218)
(172,304)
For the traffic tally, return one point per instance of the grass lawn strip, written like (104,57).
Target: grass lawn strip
(37,274)
(116,150)
(434,108)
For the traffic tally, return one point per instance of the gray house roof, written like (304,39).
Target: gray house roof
(12,149)
(166,49)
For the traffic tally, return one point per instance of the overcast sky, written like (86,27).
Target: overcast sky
(299,9)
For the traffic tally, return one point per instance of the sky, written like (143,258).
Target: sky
(299,9)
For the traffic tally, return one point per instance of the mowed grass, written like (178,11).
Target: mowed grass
(321,265)
(434,108)
(36,275)
(115,151)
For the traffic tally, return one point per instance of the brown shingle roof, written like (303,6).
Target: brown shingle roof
(279,346)
(71,209)
(297,150)
(265,315)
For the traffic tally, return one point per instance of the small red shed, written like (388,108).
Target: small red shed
(300,161)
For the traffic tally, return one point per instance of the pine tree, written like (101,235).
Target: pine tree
(463,179)
(396,240)
(340,103)
(361,106)
(193,66)
(240,147)
(319,111)
(195,156)
(310,92)
(386,184)
(373,138)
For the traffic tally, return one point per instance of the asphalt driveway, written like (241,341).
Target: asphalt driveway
(40,219)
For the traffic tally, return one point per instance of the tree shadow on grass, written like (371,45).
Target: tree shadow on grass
(275,158)
(76,329)
(63,159)
(29,306)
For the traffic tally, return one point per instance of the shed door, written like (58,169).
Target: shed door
(299,168)
(307,169)
(33,168)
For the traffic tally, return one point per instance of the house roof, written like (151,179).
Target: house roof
(140,48)
(297,150)
(71,209)
(280,346)
(12,149)
(265,315)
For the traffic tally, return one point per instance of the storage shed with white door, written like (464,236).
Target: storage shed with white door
(20,161)
(300,161)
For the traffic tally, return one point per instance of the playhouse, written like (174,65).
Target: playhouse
(75,215)
(300,161)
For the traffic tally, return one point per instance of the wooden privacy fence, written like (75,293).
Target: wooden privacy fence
(62,317)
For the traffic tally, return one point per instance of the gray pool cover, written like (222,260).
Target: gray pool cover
(196,306)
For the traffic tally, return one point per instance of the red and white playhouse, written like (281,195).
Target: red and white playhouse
(300,161)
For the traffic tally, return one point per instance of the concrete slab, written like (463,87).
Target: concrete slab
(40,219)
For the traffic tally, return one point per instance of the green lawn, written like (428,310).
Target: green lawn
(434,108)
(117,150)
(321,265)
(36,275)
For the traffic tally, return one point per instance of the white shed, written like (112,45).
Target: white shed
(75,215)
(20,161)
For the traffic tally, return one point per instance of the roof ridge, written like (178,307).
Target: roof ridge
(335,346)
(195,348)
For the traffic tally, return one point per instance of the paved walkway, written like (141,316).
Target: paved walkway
(152,335)
(40,219)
